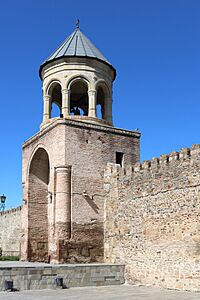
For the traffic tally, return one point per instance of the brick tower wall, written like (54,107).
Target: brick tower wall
(87,149)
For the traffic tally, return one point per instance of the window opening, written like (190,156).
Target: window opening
(120,158)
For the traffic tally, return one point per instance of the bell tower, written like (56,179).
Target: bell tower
(63,164)
(78,79)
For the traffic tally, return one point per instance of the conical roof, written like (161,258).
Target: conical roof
(77,45)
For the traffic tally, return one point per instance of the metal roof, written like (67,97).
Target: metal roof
(77,44)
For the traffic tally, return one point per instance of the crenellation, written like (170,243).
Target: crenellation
(170,160)
(118,170)
(164,159)
(113,168)
(196,147)
(184,153)
(124,173)
(156,217)
(155,162)
(146,165)
(137,167)
(10,211)
(195,150)
(108,169)
(170,168)
(173,156)
(129,171)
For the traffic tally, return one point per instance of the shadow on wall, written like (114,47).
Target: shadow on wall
(91,203)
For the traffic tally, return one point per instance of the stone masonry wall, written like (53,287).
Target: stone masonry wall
(34,277)
(10,233)
(152,220)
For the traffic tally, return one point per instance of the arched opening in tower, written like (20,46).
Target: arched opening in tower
(100,103)
(56,100)
(79,98)
(38,207)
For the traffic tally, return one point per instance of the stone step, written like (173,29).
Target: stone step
(32,276)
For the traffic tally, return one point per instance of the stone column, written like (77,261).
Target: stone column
(108,110)
(65,102)
(63,203)
(92,94)
(46,112)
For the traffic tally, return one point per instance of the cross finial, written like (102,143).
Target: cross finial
(77,23)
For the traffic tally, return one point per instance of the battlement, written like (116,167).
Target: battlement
(152,219)
(10,211)
(171,160)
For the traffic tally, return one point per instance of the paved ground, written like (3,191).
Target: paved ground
(123,292)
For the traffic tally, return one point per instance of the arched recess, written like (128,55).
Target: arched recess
(55,93)
(79,101)
(102,95)
(38,206)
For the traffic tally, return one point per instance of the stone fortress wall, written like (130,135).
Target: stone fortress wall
(152,220)
(10,231)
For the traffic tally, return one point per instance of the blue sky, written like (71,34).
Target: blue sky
(153,44)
